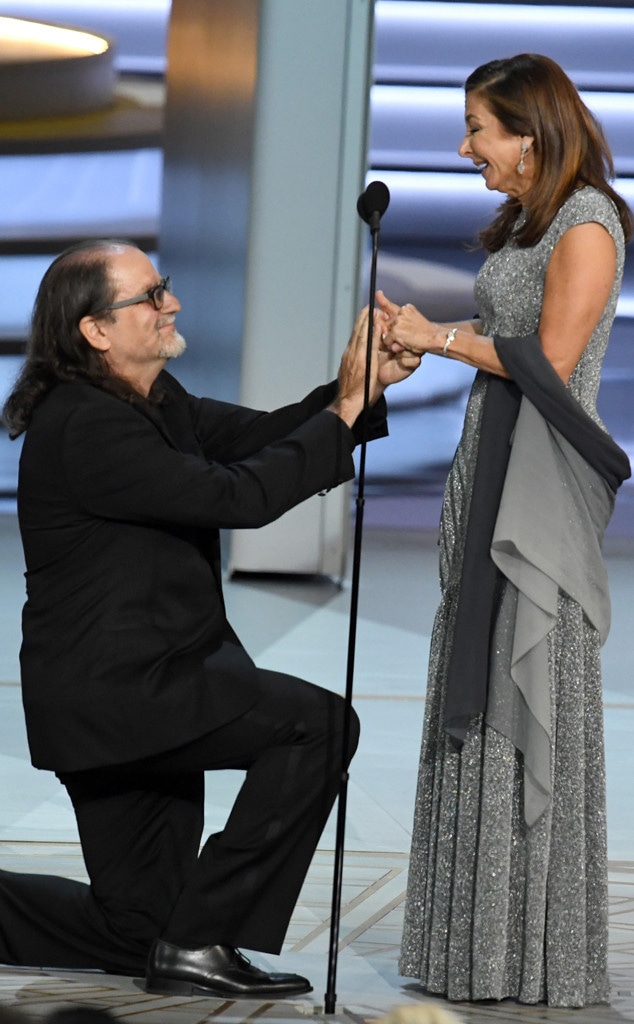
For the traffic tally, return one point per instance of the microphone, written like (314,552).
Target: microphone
(372,204)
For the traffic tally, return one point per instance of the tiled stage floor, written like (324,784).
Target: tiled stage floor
(303,627)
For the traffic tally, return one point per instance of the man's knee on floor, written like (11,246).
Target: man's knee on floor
(353,726)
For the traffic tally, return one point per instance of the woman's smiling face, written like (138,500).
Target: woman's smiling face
(494,151)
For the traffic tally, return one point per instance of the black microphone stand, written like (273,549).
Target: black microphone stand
(373,218)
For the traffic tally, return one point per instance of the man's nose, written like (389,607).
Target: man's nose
(171,303)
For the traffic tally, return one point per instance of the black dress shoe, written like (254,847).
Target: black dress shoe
(214,971)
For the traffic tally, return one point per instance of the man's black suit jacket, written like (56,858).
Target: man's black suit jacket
(126,649)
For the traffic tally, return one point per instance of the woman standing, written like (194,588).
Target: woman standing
(507,894)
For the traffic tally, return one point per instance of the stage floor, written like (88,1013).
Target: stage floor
(302,627)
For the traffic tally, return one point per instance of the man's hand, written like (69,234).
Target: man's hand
(396,366)
(352,370)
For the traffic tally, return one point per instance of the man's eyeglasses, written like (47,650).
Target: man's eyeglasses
(155,295)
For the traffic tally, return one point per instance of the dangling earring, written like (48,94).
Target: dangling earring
(520,166)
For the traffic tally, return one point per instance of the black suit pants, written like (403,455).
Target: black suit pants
(141,824)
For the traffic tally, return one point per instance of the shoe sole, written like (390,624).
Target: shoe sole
(169,986)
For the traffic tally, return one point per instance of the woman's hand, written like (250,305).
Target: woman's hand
(395,365)
(405,329)
(392,366)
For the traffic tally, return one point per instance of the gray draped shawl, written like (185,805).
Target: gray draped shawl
(543,494)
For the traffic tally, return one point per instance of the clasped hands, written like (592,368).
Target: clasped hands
(404,330)
(393,356)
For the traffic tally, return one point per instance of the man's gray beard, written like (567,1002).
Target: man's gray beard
(174,347)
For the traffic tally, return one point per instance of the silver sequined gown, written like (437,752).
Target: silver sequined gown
(494,909)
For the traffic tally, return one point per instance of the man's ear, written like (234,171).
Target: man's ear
(93,332)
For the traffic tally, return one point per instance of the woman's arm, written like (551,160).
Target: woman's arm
(409,330)
(578,283)
(579,279)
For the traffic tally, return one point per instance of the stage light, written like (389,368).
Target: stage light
(52,70)
(27,40)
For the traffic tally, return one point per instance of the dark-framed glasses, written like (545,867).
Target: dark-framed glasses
(155,295)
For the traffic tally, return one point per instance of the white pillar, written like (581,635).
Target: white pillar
(309,164)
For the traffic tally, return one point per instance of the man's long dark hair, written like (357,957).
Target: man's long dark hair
(75,285)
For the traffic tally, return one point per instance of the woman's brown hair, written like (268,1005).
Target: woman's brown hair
(531,95)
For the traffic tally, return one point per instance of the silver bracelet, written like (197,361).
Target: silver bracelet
(450,337)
